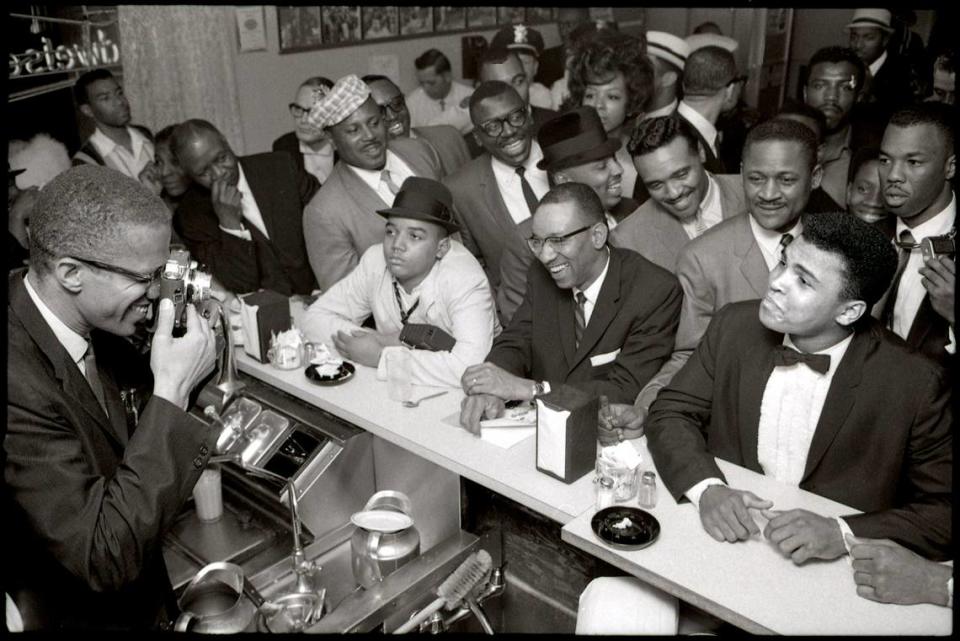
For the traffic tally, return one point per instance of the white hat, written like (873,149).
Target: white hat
(877,18)
(700,40)
(669,47)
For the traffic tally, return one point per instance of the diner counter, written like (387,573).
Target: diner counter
(432,432)
(749,583)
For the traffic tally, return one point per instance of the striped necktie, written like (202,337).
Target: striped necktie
(905,245)
(579,315)
(388,181)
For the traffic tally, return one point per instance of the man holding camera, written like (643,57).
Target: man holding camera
(90,491)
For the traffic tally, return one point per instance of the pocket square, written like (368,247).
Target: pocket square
(603,359)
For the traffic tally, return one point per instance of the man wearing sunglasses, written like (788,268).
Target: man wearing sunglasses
(495,192)
(596,317)
(308,146)
(90,489)
(446,141)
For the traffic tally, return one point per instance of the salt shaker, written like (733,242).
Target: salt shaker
(604,492)
(647,497)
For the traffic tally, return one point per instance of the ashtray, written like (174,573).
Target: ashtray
(344,373)
(625,528)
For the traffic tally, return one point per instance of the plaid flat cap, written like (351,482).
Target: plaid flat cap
(346,95)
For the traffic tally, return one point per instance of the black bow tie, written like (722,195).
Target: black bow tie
(783,355)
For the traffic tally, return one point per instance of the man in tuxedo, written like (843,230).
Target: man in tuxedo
(685,199)
(241,217)
(341,222)
(451,150)
(494,193)
(308,146)
(596,317)
(917,162)
(711,86)
(90,490)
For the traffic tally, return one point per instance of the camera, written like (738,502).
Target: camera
(934,246)
(183,281)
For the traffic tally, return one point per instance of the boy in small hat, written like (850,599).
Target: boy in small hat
(418,274)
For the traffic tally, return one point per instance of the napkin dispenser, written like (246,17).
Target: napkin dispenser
(566,433)
(263,313)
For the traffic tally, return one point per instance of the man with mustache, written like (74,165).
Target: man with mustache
(596,317)
(495,192)
(340,222)
(685,199)
(731,261)
(417,275)
(446,141)
(917,162)
(309,147)
(241,216)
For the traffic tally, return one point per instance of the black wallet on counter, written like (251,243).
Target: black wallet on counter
(424,336)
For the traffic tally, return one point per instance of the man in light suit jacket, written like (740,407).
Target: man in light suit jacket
(731,261)
(90,490)
(241,216)
(494,193)
(341,222)
(600,319)
(446,141)
(685,200)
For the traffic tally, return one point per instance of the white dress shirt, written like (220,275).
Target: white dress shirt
(249,209)
(911,292)
(665,110)
(701,124)
(708,214)
(540,96)
(455,296)
(74,343)
(129,163)
(318,163)
(876,64)
(769,241)
(508,181)
(425,111)
(399,171)
(592,293)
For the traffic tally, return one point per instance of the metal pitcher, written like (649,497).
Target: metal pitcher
(219,600)
(385,538)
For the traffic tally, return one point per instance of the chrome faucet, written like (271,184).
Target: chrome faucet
(227,380)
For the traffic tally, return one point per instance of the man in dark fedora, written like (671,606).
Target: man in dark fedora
(575,149)
(417,275)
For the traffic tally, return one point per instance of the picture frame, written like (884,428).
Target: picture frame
(299,28)
(481,17)
(341,24)
(380,22)
(416,20)
(449,19)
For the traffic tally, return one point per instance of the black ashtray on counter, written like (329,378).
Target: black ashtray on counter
(626,528)
(343,374)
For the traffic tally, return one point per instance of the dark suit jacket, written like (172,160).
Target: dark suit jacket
(711,162)
(632,328)
(87,500)
(540,116)
(280,263)
(882,444)
(289,143)
(893,86)
(448,143)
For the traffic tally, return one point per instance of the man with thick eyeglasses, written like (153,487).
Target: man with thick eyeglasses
(495,192)
(90,490)
(309,146)
(596,317)
(446,141)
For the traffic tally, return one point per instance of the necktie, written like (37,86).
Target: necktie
(528,195)
(579,316)
(785,240)
(783,355)
(92,375)
(404,314)
(906,245)
(388,181)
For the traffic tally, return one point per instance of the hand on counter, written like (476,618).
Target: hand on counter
(360,346)
(803,535)
(487,378)
(475,408)
(724,515)
(887,572)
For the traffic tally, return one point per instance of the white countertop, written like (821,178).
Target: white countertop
(432,432)
(749,583)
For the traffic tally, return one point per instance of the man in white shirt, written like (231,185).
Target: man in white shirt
(439,100)
(417,275)
(310,147)
(711,86)
(917,162)
(115,143)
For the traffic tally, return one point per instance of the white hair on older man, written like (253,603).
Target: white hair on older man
(43,157)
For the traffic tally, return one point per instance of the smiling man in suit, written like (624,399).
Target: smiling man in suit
(340,222)
(596,317)
(685,199)
(241,217)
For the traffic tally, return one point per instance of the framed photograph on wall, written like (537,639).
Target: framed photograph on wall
(341,24)
(449,18)
(537,15)
(510,15)
(380,22)
(481,17)
(414,20)
(299,28)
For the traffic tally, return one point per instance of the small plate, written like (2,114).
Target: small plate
(639,530)
(345,373)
